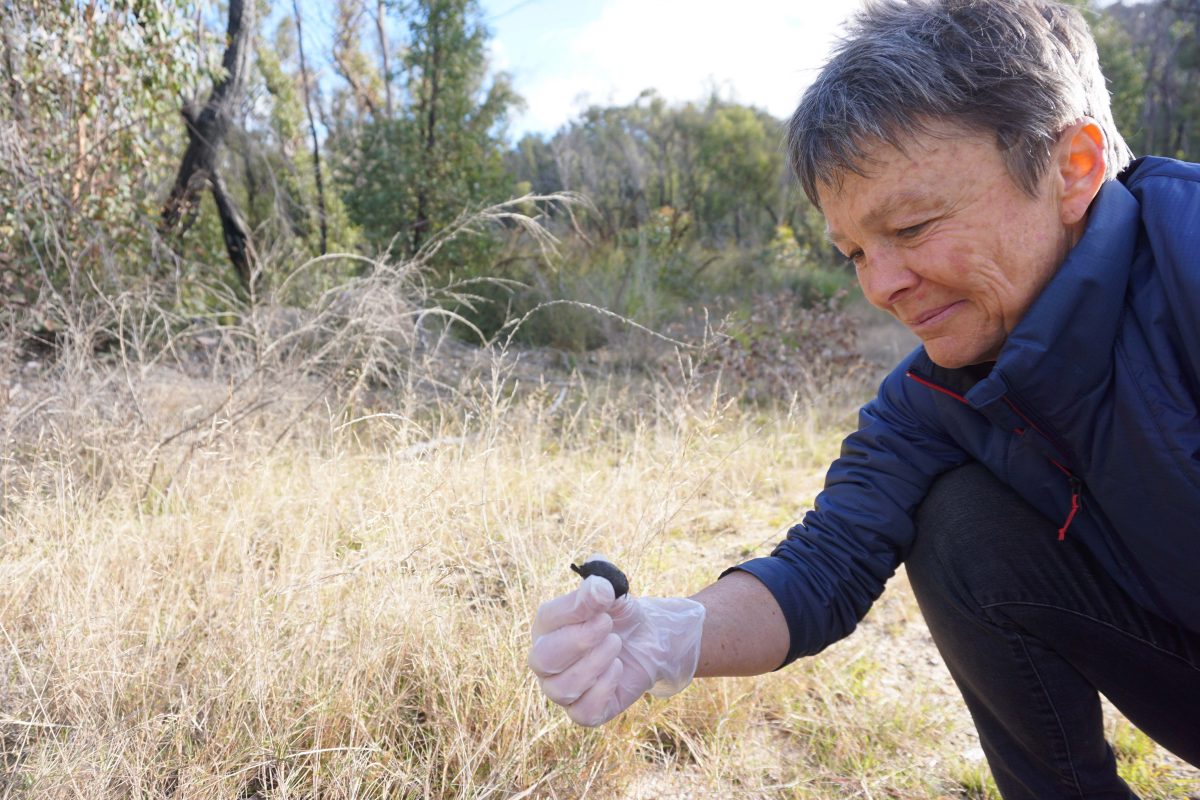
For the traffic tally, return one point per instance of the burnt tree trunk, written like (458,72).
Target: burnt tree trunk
(206,130)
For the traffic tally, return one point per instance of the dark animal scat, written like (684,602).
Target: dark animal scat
(607,571)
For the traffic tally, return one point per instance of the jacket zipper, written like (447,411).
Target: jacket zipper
(1076,500)
(936,387)
(1075,483)
(1072,480)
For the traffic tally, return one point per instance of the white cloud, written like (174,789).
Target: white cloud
(760,52)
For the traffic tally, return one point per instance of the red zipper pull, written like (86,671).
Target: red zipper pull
(1075,486)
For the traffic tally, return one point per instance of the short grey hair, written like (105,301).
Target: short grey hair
(1021,70)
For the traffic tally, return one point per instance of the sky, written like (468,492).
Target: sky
(564,55)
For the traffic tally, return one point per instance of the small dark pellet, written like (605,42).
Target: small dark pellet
(607,571)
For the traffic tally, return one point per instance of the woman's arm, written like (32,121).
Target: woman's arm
(744,629)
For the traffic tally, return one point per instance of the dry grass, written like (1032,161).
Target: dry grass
(344,612)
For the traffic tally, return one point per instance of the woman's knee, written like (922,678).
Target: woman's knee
(971,532)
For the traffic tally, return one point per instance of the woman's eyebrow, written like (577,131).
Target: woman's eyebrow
(904,199)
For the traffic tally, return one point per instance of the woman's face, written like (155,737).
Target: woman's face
(944,240)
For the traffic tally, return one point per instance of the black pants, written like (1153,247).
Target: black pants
(1032,630)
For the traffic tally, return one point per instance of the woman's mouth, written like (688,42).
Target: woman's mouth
(932,317)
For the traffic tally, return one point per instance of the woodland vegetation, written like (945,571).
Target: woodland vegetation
(204,155)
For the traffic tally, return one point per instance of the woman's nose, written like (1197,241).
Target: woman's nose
(886,278)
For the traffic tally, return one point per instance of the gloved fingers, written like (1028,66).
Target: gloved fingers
(594,596)
(600,703)
(556,651)
(573,682)
(634,680)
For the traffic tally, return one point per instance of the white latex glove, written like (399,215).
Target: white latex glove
(594,655)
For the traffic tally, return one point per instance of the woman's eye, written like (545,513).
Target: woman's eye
(911,230)
(856,257)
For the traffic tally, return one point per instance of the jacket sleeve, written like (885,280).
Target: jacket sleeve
(832,566)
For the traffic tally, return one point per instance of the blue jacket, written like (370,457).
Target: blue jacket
(1090,413)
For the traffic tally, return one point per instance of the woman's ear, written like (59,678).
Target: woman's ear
(1082,167)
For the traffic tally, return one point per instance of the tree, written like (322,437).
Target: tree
(368,92)
(407,176)
(87,91)
(274,172)
(717,164)
(1164,87)
(312,127)
(206,130)
(739,158)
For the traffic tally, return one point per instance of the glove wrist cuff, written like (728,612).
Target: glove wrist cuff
(681,626)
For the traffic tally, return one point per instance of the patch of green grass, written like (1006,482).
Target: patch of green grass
(975,780)
(1141,764)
